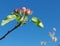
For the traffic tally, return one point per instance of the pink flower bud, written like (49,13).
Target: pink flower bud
(18,10)
(23,9)
(15,10)
(28,11)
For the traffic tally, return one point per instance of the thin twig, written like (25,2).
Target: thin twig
(10,31)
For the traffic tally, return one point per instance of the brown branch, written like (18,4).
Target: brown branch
(10,31)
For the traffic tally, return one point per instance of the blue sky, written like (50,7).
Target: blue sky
(29,34)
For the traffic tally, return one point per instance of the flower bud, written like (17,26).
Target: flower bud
(18,10)
(23,9)
(15,10)
(28,11)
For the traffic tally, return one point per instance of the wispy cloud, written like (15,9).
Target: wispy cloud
(52,35)
(43,42)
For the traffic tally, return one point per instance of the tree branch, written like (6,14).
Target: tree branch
(10,31)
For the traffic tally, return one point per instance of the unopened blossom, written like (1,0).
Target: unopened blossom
(17,10)
(28,11)
(23,9)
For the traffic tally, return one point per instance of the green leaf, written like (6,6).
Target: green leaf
(41,25)
(18,18)
(24,19)
(37,22)
(8,19)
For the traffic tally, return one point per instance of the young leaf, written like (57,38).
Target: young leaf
(24,19)
(8,19)
(18,18)
(37,22)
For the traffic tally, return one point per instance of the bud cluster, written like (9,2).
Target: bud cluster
(23,10)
